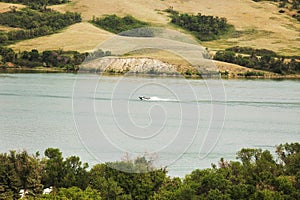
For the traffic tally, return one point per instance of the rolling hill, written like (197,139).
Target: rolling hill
(258,24)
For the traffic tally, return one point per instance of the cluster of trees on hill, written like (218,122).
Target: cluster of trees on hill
(295,4)
(29,2)
(259,59)
(257,175)
(204,27)
(250,51)
(290,4)
(116,24)
(37,4)
(34,23)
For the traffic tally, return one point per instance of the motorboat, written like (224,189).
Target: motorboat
(144,98)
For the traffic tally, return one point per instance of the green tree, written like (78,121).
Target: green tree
(76,193)
(108,188)
(215,194)
(34,55)
(116,24)
(168,188)
(248,156)
(131,179)
(53,173)
(10,183)
(289,156)
(29,172)
(75,173)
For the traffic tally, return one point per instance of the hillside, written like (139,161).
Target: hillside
(259,24)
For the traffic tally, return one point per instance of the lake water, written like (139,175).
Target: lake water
(187,124)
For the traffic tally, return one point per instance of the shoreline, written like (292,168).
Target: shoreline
(25,70)
(17,70)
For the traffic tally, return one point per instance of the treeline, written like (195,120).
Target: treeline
(116,24)
(34,23)
(204,27)
(261,59)
(66,60)
(257,175)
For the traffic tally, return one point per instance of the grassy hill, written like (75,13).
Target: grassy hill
(258,24)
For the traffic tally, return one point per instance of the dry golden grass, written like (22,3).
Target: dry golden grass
(81,37)
(141,9)
(4,7)
(259,24)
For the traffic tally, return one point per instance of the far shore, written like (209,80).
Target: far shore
(16,70)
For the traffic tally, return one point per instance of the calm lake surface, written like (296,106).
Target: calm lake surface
(187,124)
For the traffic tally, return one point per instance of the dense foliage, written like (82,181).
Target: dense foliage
(259,59)
(116,24)
(257,175)
(34,23)
(202,26)
(251,51)
(66,60)
(70,178)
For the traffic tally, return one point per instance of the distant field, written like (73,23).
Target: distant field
(259,25)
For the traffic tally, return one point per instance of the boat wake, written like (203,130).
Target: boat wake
(154,98)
